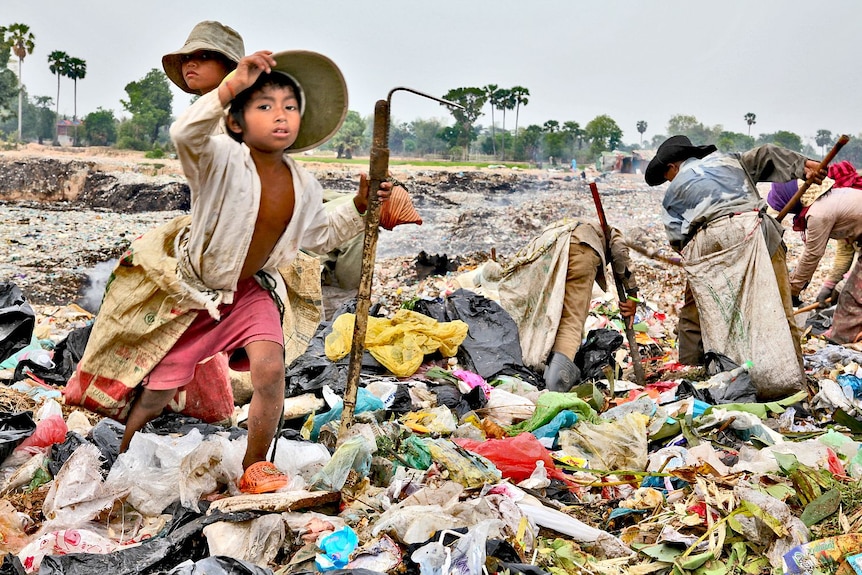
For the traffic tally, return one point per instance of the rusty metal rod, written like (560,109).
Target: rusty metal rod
(377,173)
(640,377)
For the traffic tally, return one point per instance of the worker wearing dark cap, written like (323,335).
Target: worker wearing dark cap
(714,216)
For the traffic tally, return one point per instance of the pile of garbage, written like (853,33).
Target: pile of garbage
(458,464)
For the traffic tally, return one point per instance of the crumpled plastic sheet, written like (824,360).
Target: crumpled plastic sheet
(17,320)
(400,343)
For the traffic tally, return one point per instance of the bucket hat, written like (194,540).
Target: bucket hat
(207,35)
(323,95)
(672,150)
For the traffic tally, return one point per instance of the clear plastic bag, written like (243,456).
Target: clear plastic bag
(614,445)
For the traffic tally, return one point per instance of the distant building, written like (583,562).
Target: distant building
(66,131)
(634,162)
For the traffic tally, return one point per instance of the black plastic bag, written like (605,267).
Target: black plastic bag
(183,541)
(402,403)
(107,436)
(61,452)
(70,350)
(597,352)
(48,375)
(492,346)
(17,320)
(219,565)
(312,370)
(14,428)
(449,395)
(11,566)
(170,423)
(740,390)
(503,556)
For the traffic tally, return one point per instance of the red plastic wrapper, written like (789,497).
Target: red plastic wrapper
(515,457)
(49,431)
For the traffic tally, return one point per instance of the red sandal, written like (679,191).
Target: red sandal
(262,477)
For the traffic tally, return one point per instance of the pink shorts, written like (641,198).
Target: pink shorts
(251,317)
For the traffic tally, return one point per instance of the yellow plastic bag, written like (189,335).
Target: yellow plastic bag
(400,344)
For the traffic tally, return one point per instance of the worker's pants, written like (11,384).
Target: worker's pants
(580,276)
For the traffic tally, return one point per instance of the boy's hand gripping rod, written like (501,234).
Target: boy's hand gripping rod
(378,172)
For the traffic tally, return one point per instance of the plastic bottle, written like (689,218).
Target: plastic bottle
(725,378)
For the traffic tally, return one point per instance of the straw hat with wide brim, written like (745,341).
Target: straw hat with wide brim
(814,191)
(324,95)
(205,36)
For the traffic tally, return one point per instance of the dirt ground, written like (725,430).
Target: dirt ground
(469,214)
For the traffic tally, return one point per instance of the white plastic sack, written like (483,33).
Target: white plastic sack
(78,494)
(741,313)
(257,541)
(150,469)
(300,460)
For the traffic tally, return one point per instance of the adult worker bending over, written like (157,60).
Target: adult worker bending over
(547,290)
(714,216)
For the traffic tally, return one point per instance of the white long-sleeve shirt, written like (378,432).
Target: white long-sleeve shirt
(225,196)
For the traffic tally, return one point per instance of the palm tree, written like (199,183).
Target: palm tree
(573,132)
(506,103)
(77,71)
(58,62)
(822,138)
(491,91)
(520,95)
(22,41)
(750,118)
(642,126)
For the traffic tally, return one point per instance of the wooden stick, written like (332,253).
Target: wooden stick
(810,180)
(813,306)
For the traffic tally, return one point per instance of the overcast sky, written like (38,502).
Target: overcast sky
(794,64)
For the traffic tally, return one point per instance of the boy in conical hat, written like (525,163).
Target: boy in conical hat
(209,283)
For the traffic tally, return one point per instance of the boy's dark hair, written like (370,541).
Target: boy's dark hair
(274,79)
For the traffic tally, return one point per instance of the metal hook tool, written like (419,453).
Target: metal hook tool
(378,172)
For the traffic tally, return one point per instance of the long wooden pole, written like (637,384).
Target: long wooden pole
(810,180)
(377,173)
(640,377)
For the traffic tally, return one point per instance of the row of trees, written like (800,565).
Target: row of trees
(18,39)
(727,141)
(150,104)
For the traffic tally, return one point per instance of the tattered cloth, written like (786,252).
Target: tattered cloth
(741,313)
(847,320)
(146,310)
(533,287)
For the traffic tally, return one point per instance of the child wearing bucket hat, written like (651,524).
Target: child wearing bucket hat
(211,282)
(209,53)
